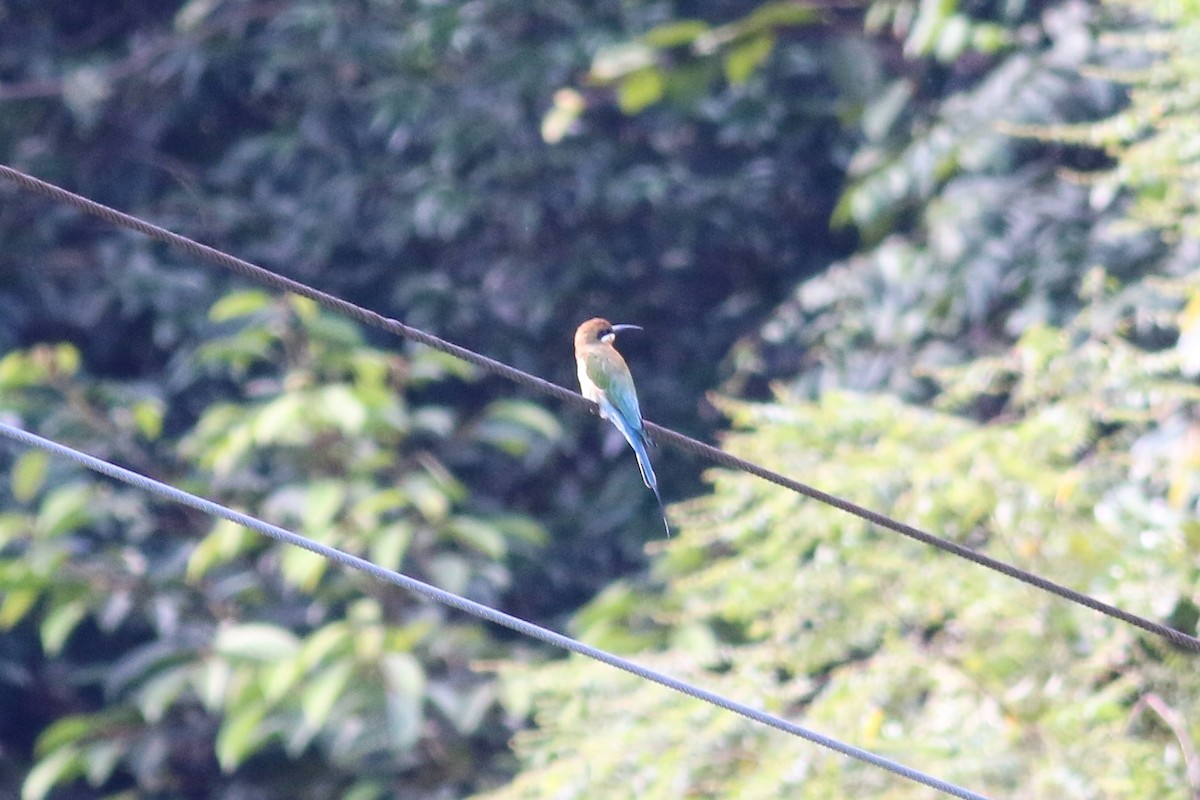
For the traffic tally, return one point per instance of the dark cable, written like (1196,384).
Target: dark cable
(660,434)
(475,609)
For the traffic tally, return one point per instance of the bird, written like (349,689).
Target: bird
(605,380)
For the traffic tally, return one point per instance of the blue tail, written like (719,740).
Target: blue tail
(638,441)
(643,459)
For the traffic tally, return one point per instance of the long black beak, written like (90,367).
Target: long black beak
(619,328)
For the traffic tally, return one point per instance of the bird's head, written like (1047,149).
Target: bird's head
(597,330)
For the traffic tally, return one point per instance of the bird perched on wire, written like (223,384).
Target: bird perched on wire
(604,379)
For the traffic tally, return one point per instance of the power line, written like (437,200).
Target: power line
(479,610)
(659,433)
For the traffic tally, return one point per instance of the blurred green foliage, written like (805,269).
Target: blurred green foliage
(328,438)
(1058,353)
(1088,476)
(970,235)
(805,204)
(1152,141)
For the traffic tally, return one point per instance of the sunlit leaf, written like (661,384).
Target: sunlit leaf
(66,359)
(67,731)
(615,63)
(389,545)
(778,14)
(640,89)
(330,640)
(239,304)
(100,760)
(240,735)
(305,307)
(285,419)
(302,568)
(29,473)
(479,535)
(60,766)
(674,34)
(66,509)
(322,502)
(339,404)
(322,691)
(255,642)
(15,604)
(59,623)
(224,542)
(162,691)
(334,330)
(744,58)
(148,415)
(405,681)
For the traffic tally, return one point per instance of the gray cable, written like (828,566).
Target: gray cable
(475,609)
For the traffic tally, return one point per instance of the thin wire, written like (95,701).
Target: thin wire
(659,433)
(479,610)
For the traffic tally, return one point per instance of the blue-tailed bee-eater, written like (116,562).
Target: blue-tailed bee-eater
(604,379)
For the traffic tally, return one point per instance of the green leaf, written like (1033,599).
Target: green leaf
(953,38)
(66,509)
(281,678)
(215,677)
(283,420)
(426,365)
(240,735)
(139,664)
(17,370)
(226,541)
(514,425)
(745,57)
(256,641)
(389,544)
(331,640)
(338,403)
(148,416)
(675,34)
(29,473)
(450,572)
(193,13)
(62,765)
(65,732)
(101,758)
(516,526)
(322,691)
(405,681)
(239,304)
(780,14)
(66,359)
(479,535)
(367,790)
(302,568)
(615,63)
(322,502)
(160,692)
(15,605)
(334,330)
(241,351)
(429,498)
(304,307)
(640,89)
(989,38)
(12,526)
(58,624)
(437,420)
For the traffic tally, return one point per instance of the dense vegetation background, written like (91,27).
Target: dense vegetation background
(938,257)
